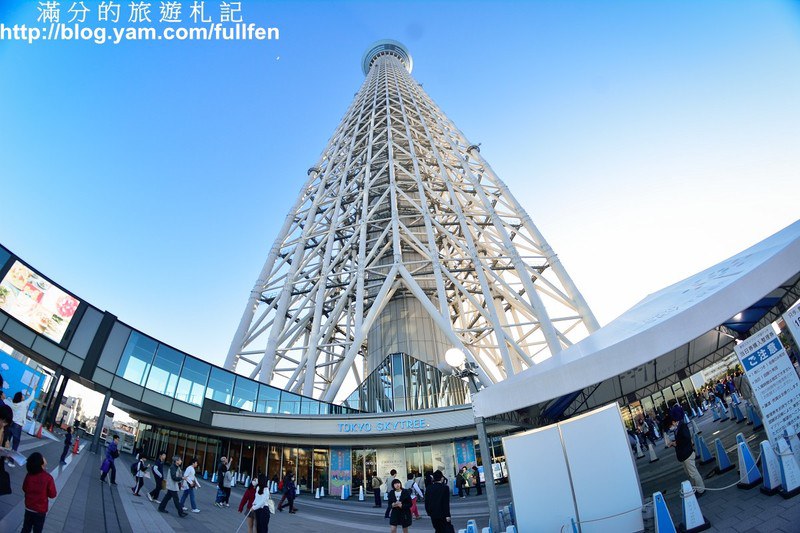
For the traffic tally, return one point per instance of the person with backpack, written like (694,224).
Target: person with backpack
(376,489)
(39,487)
(158,475)
(413,488)
(138,470)
(112,452)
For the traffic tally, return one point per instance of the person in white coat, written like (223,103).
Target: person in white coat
(261,507)
(19,406)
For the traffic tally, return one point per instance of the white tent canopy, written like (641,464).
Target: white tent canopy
(664,333)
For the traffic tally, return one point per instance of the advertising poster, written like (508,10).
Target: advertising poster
(36,302)
(388,459)
(443,459)
(465,453)
(19,377)
(340,470)
(773,379)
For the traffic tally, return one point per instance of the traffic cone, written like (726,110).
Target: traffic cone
(663,520)
(749,476)
(723,463)
(75,446)
(39,432)
(361,493)
(652,450)
(697,431)
(214,478)
(693,519)
(737,412)
(757,423)
(794,443)
(316,494)
(703,451)
(639,452)
(790,472)
(772,470)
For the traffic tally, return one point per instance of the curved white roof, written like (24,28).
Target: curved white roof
(674,320)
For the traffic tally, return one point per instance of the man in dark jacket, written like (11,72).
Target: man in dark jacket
(158,475)
(437,504)
(112,452)
(684,450)
(221,469)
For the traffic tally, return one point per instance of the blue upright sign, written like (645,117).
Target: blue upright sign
(18,377)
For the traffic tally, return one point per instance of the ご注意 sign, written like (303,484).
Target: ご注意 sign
(774,380)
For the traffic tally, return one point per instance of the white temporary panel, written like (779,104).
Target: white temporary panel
(604,477)
(539,479)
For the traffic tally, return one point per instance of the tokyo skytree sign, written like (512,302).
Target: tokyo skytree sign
(403,239)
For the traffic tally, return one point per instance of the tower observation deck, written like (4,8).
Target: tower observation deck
(403,239)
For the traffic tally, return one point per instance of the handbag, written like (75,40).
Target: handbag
(271,505)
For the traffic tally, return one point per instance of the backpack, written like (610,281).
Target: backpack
(134,467)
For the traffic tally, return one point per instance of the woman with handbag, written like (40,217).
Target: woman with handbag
(400,506)
(261,506)
(248,499)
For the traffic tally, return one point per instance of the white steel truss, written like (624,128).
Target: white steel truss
(402,205)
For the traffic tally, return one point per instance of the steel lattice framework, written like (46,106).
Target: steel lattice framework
(402,206)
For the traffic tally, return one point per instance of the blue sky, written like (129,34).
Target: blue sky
(647,140)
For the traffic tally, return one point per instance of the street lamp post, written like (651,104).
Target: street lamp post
(462,369)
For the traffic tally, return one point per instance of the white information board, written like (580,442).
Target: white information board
(604,477)
(539,480)
(792,319)
(773,379)
(581,469)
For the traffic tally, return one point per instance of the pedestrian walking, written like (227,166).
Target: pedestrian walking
(19,407)
(139,468)
(437,504)
(222,470)
(247,503)
(67,446)
(112,452)
(261,506)
(227,482)
(158,475)
(39,487)
(416,493)
(400,506)
(289,489)
(174,480)
(684,450)
(191,483)
(376,484)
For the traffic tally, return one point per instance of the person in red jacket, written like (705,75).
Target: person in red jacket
(38,488)
(247,502)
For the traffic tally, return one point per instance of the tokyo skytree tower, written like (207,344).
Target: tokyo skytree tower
(403,239)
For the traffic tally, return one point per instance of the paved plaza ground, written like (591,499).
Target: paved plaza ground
(85,504)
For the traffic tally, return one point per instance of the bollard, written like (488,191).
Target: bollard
(693,519)
(703,451)
(361,493)
(652,450)
(723,462)
(790,472)
(472,526)
(772,470)
(662,518)
(749,476)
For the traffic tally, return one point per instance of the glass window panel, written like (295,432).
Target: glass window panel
(245,394)
(309,407)
(269,399)
(220,386)
(165,371)
(290,403)
(192,383)
(136,358)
